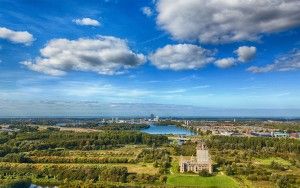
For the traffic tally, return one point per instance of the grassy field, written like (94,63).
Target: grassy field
(75,129)
(141,168)
(219,181)
(132,168)
(269,160)
(263,184)
(129,151)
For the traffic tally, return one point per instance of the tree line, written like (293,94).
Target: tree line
(44,140)
(274,145)
(72,173)
(123,126)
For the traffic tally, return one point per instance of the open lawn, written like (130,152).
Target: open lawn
(219,181)
(140,168)
(269,160)
(178,179)
(75,129)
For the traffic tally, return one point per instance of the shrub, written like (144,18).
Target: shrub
(204,173)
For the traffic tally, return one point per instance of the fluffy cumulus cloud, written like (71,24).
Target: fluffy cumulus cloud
(147,11)
(221,21)
(16,36)
(181,57)
(104,55)
(246,53)
(87,21)
(225,62)
(287,62)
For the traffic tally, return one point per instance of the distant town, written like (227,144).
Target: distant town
(278,128)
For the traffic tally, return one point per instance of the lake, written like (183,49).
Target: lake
(170,129)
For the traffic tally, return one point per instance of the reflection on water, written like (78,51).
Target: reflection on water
(170,129)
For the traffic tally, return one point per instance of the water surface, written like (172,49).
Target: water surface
(169,129)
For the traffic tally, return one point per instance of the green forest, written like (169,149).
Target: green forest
(122,157)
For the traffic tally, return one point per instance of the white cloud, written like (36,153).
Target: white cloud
(104,55)
(287,62)
(181,57)
(225,62)
(246,53)
(16,36)
(220,21)
(87,21)
(147,11)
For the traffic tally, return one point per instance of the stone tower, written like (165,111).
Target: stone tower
(200,162)
(202,153)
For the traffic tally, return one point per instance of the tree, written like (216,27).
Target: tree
(229,170)
(283,182)
(204,173)
(163,179)
(277,166)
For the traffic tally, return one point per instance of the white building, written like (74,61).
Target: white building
(201,162)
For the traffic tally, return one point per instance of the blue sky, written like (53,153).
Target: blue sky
(168,57)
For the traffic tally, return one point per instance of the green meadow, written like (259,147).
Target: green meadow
(219,181)
(268,161)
